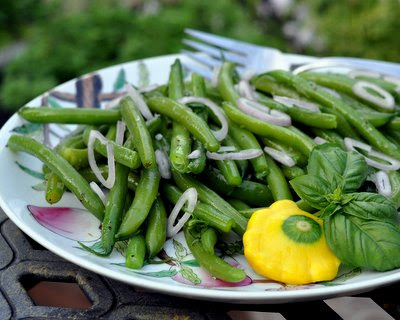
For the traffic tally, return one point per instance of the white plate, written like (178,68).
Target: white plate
(182,276)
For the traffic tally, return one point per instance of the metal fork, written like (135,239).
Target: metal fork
(252,59)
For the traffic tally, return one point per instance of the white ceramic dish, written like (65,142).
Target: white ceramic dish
(58,230)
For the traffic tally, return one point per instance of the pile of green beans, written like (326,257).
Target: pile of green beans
(229,191)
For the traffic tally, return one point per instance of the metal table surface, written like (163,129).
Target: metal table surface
(24,264)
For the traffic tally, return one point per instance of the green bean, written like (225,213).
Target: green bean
(246,140)
(210,262)
(292,172)
(241,164)
(261,128)
(238,204)
(309,118)
(146,193)
(114,208)
(306,139)
(369,132)
(344,128)
(175,82)
(185,116)
(277,182)
(198,85)
(70,177)
(209,238)
(54,189)
(230,171)
(156,231)
(202,211)
(225,83)
(394,124)
(394,177)
(197,165)
(87,173)
(251,192)
(339,82)
(210,197)
(154,124)
(123,155)
(89,116)
(140,134)
(330,136)
(247,213)
(135,252)
(180,148)
(297,156)
(78,158)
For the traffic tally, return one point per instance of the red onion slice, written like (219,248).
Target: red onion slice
(95,187)
(352,144)
(221,133)
(121,126)
(94,134)
(139,101)
(114,102)
(245,90)
(194,154)
(385,100)
(393,80)
(319,140)
(363,73)
(382,183)
(280,156)
(189,197)
(261,112)
(163,164)
(290,102)
(148,88)
(241,155)
(226,149)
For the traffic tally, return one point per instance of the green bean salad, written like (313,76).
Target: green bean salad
(203,155)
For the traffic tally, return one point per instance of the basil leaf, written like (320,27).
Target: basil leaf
(371,206)
(363,243)
(346,170)
(312,189)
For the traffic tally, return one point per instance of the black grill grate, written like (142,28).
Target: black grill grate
(21,260)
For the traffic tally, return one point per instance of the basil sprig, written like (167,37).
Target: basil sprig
(361,228)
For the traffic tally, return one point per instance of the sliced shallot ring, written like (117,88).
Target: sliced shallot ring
(194,155)
(394,80)
(363,73)
(394,164)
(261,112)
(109,182)
(291,102)
(148,88)
(139,101)
(221,133)
(226,149)
(245,90)
(189,197)
(241,155)
(280,156)
(163,164)
(386,100)
(114,102)
(382,183)
(95,187)
(119,138)
(319,140)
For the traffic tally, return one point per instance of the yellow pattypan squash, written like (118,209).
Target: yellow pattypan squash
(286,244)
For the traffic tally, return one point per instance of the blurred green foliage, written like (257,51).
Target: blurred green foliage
(105,33)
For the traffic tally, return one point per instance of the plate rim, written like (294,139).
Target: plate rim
(220,295)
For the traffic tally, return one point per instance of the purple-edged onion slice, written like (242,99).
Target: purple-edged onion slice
(394,164)
(194,155)
(163,164)
(221,133)
(382,183)
(95,187)
(121,126)
(139,101)
(290,102)
(280,156)
(245,90)
(262,112)
(96,135)
(241,155)
(189,197)
(384,100)
(319,140)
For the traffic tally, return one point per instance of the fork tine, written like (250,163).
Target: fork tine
(226,43)
(203,59)
(215,52)
(205,72)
